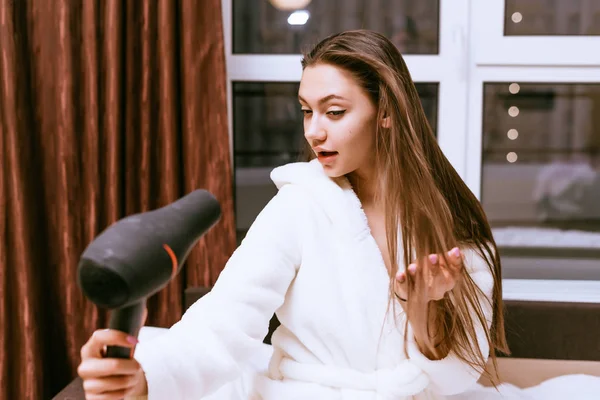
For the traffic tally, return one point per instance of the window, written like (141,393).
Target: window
(547,18)
(541,176)
(268,27)
(268,132)
(511,88)
(267,121)
(536,32)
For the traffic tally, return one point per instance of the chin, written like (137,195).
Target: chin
(334,172)
(333,175)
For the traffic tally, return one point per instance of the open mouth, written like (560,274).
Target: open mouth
(327,156)
(327,153)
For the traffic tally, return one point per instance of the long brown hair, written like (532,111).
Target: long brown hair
(421,190)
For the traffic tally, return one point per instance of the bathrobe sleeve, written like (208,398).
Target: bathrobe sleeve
(450,375)
(221,334)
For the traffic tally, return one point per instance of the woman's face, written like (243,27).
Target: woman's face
(339,120)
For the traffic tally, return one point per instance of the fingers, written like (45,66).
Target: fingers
(114,395)
(430,265)
(436,275)
(109,384)
(108,378)
(103,367)
(455,257)
(401,277)
(433,259)
(433,264)
(106,337)
(455,263)
(452,259)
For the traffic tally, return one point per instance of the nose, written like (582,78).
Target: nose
(314,132)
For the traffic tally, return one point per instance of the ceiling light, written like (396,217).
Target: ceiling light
(289,5)
(298,17)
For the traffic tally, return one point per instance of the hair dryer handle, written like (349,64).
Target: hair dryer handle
(129,320)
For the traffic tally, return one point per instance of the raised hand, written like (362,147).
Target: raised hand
(433,278)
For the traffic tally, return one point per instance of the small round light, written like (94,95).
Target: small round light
(512,134)
(513,111)
(511,157)
(514,88)
(289,5)
(516,17)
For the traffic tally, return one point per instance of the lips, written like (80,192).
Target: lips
(327,157)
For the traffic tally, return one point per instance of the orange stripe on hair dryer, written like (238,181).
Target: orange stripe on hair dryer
(139,255)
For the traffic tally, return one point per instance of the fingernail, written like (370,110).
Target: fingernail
(412,268)
(433,258)
(132,340)
(455,252)
(400,277)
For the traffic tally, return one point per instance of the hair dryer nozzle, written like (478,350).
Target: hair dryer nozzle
(138,255)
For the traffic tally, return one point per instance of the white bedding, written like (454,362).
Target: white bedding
(571,387)
(575,387)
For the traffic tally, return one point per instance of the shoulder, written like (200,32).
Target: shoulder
(479,266)
(298,173)
(289,206)
(281,226)
(474,260)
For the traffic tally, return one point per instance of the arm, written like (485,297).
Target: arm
(221,333)
(449,375)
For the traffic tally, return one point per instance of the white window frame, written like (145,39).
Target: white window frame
(448,68)
(492,47)
(584,291)
(481,75)
(497,58)
(472,51)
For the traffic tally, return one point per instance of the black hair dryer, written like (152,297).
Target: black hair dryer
(139,255)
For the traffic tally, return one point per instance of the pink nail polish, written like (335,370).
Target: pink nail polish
(455,252)
(132,340)
(433,258)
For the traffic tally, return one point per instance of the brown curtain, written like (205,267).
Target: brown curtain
(107,108)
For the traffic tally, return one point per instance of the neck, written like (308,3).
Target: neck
(365,187)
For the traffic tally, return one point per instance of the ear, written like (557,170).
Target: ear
(386,122)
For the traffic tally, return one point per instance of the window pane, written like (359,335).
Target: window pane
(552,17)
(268,132)
(541,168)
(260,27)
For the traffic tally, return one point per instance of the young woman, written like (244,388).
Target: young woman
(375,256)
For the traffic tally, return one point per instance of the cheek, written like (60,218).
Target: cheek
(362,138)
(363,149)
(358,150)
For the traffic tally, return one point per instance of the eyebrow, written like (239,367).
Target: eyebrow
(324,99)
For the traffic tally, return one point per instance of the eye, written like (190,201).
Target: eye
(336,113)
(306,111)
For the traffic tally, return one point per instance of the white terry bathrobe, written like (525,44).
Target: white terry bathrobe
(309,257)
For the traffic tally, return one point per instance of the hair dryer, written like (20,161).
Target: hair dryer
(138,255)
